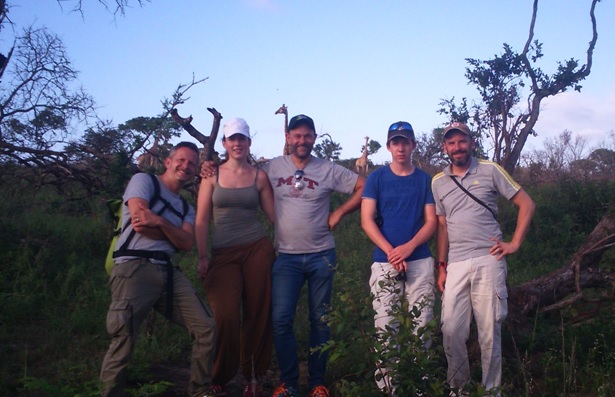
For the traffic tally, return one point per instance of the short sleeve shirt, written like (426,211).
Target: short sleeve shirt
(141,186)
(302,214)
(400,203)
(470,226)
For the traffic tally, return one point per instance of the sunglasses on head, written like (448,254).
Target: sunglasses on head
(400,125)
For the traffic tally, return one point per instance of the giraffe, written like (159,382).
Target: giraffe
(284,110)
(150,158)
(362,164)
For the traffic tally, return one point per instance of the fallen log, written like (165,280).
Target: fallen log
(565,286)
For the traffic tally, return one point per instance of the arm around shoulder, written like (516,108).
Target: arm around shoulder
(351,205)
(266,195)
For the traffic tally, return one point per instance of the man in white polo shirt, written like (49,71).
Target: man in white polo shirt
(470,240)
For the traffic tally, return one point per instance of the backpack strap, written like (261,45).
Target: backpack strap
(157,255)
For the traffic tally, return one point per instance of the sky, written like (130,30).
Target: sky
(354,66)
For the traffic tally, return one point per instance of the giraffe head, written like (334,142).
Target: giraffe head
(282,110)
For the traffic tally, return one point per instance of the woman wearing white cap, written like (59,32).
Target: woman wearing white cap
(239,272)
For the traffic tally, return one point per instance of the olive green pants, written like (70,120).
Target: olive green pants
(138,286)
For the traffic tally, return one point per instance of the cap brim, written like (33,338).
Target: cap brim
(449,131)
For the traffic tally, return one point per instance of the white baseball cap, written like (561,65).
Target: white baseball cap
(236,126)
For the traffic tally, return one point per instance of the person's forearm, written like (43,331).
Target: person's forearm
(442,243)
(422,236)
(375,235)
(202,233)
(351,205)
(181,239)
(524,218)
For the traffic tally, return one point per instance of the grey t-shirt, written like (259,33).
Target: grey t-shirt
(302,214)
(141,186)
(470,226)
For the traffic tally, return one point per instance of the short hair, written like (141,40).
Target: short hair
(186,144)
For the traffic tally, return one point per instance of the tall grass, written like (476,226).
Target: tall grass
(54,298)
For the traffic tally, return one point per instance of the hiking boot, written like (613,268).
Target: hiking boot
(319,391)
(215,391)
(282,391)
(251,390)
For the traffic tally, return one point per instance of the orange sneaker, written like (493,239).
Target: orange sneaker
(282,391)
(320,391)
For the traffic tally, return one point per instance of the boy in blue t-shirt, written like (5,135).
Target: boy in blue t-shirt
(398,214)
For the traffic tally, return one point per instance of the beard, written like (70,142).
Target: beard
(460,161)
(302,152)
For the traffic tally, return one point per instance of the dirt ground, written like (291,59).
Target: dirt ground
(179,376)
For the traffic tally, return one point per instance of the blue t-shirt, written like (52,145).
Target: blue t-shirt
(400,204)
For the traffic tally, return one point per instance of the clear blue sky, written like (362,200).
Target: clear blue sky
(355,66)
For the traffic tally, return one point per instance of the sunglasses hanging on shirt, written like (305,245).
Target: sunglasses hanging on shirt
(299,183)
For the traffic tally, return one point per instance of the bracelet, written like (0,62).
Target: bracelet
(441,264)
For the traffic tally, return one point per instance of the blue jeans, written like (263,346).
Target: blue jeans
(290,271)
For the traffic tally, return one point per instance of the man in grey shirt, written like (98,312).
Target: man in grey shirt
(143,275)
(302,186)
(469,237)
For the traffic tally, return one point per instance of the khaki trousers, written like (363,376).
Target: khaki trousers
(476,286)
(418,290)
(138,286)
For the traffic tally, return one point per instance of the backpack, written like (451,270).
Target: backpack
(115,207)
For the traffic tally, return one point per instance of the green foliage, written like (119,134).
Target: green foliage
(327,149)
(150,389)
(54,297)
(373,147)
(359,355)
(567,211)
(35,386)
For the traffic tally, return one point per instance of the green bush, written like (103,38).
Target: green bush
(54,297)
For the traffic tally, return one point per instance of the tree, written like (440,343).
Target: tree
(39,106)
(501,82)
(327,149)
(372,147)
(569,283)
(43,109)
(428,155)
(116,6)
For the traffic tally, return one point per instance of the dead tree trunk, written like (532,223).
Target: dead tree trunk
(208,142)
(209,147)
(565,285)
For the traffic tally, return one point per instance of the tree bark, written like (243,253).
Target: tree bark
(542,88)
(208,142)
(566,285)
